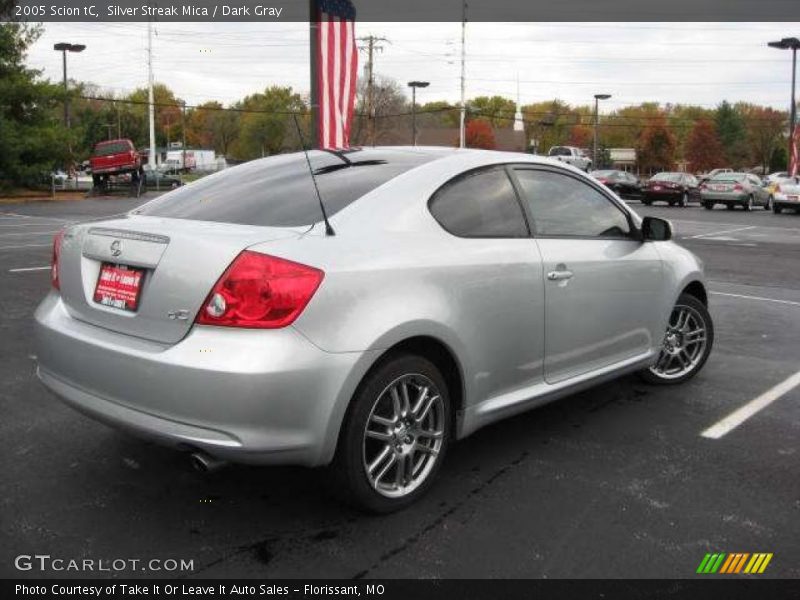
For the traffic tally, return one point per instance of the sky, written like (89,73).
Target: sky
(686,63)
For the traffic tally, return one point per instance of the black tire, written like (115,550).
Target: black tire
(684,201)
(699,309)
(708,205)
(748,204)
(349,465)
(777,209)
(729,206)
(768,205)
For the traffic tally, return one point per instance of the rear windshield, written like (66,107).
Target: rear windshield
(111,148)
(730,177)
(667,177)
(279,191)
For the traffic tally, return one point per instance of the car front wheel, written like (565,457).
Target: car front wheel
(686,344)
(395,436)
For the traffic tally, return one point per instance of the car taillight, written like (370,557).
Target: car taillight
(260,291)
(54,278)
(737,188)
(703,186)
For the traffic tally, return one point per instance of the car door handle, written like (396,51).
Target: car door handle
(559,275)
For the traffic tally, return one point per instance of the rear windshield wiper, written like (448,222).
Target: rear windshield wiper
(347,165)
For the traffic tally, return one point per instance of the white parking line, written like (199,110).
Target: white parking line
(24,270)
(759,298)
(25,246)
(5,235)
(737,417)
(712,233)
(9,216)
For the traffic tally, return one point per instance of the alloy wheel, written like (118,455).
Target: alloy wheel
(403,436)
(684,344)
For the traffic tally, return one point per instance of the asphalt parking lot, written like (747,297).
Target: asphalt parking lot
(615,482)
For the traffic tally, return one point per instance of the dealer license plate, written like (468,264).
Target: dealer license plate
(119,286)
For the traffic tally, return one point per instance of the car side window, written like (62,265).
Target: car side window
(562,205)
(480,204)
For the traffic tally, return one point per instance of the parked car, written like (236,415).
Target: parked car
(572,156)
(776,176)
(735,189)
(713,173)
(786,194)
(672,188)
(239,325)
(158,179)
(114,157)
(624,184)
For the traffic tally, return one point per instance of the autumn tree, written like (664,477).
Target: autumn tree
(438,114)
(656,147)
(704,151)
(581,136)
(764,128)
(479,134)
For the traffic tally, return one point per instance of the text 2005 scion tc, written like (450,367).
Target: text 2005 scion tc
(451,288)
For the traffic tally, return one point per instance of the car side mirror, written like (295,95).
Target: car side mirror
(656,230)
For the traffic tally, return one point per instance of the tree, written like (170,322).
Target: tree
(267,126)
(704,151)
(498,111)
(211,126)
(479,134)
(32,139)
(656,147)
(581,136)
(438,114)
(731,131)
(764,129)
(390,110)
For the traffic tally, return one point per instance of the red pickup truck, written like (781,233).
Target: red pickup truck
(114,157)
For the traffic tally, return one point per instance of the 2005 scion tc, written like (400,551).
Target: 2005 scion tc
(446,289)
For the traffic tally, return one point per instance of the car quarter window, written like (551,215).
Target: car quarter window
(562,205)
(480,203)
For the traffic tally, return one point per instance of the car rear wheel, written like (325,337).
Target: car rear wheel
(686,345)
(684,201)
(777,209)
(708,205)
(395,436)
(768,205)
(729,206)
(748,204)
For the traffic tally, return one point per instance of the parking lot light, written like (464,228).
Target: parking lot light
(597,98)
(65,47)
(414,85)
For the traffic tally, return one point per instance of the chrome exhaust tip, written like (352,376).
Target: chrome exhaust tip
(205,463)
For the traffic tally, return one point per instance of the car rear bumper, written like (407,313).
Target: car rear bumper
(253,396)
(663,195)
(782,200)
(723,197)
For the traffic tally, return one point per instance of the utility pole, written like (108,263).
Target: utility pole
(151,160)
(462,126)
(372,45)
(597,98)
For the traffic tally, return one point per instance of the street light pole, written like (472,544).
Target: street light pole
(790,44)
(65,47)
(597,98)
(414,85)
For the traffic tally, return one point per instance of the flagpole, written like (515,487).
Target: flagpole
(313,98)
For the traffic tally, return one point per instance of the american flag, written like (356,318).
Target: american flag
(794,167)
(337,71)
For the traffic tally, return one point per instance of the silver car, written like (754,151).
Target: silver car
(735,189)
(786,194)
(445,290)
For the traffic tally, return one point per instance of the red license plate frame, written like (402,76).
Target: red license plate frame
(119,286)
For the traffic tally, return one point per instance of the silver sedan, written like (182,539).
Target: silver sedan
(735,189)
(365,317)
